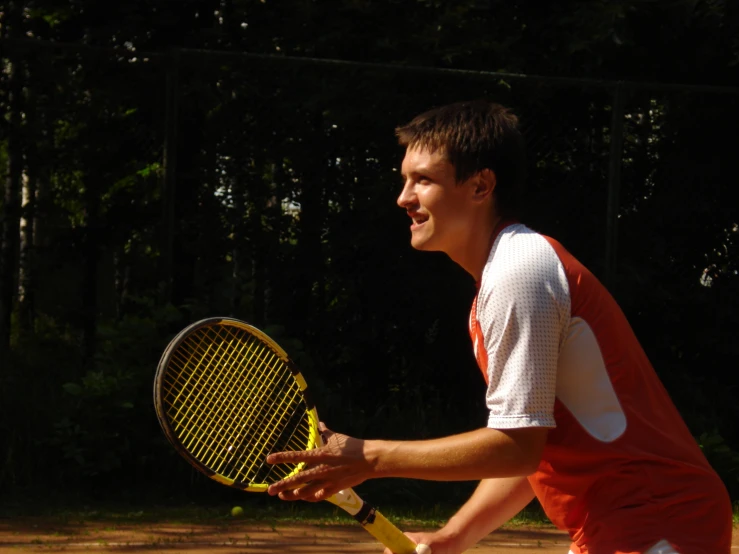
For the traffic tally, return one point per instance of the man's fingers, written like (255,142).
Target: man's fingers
(313,456)
(309,493)
(302,480)
(286,457)
(289,495)
(325,432)
(292,484)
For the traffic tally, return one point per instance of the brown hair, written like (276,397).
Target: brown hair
(474,136)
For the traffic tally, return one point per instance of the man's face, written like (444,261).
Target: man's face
(437,204)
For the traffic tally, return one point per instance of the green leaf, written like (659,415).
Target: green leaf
(72,388)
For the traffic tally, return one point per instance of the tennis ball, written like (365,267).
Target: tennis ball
(237,511)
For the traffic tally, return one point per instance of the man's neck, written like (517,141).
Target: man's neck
(476,252)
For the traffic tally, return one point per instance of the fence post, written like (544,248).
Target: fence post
(169,178)
(614,183)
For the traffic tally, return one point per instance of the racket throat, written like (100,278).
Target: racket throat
(348,501)
(374,522)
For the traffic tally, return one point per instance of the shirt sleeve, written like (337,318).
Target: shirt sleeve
(523,309)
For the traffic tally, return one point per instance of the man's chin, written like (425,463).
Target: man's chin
(424,246)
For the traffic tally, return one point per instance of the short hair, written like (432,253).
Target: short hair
(475,135)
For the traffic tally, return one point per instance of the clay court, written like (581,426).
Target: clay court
(37,535)
(41,535)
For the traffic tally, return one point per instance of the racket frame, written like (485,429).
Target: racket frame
(348,500)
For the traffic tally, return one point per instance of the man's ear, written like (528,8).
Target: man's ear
(485,184)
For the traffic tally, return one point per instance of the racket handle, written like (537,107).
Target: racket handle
(392,537)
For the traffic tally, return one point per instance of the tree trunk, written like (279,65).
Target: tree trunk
(240,243)
(122,278)
(28,241)
(310,255)
(169,182)
(10,215)
(91,257)
(258,200)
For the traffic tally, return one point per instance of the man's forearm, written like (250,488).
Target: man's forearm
(494,502)
(480,454)
(345,462)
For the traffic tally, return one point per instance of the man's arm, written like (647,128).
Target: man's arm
(494,502)
(345,462)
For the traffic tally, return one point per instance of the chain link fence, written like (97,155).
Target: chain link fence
(264,187)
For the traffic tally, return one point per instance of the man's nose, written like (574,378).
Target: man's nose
(406,196)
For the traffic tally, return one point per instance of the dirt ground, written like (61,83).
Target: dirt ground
(38,535)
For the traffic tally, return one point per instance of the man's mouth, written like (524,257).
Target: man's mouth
(418,220)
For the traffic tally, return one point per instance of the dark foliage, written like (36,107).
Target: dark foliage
(261,184)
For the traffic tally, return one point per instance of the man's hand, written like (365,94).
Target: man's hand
(343,462)
(438,542)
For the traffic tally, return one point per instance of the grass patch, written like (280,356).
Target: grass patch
(257,509)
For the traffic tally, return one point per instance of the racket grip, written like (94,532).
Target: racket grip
(392,537)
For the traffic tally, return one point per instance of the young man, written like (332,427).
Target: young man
(578,417)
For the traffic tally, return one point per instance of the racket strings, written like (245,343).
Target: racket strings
(267,429)
(231,400)
(222,412)
(196,421)
(219,389)
(262,431)
(220,438)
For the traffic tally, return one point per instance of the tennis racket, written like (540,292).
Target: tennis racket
(226,395)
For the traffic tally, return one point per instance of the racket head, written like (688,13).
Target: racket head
(226,395)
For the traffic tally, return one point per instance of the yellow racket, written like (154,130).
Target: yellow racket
(226,395)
